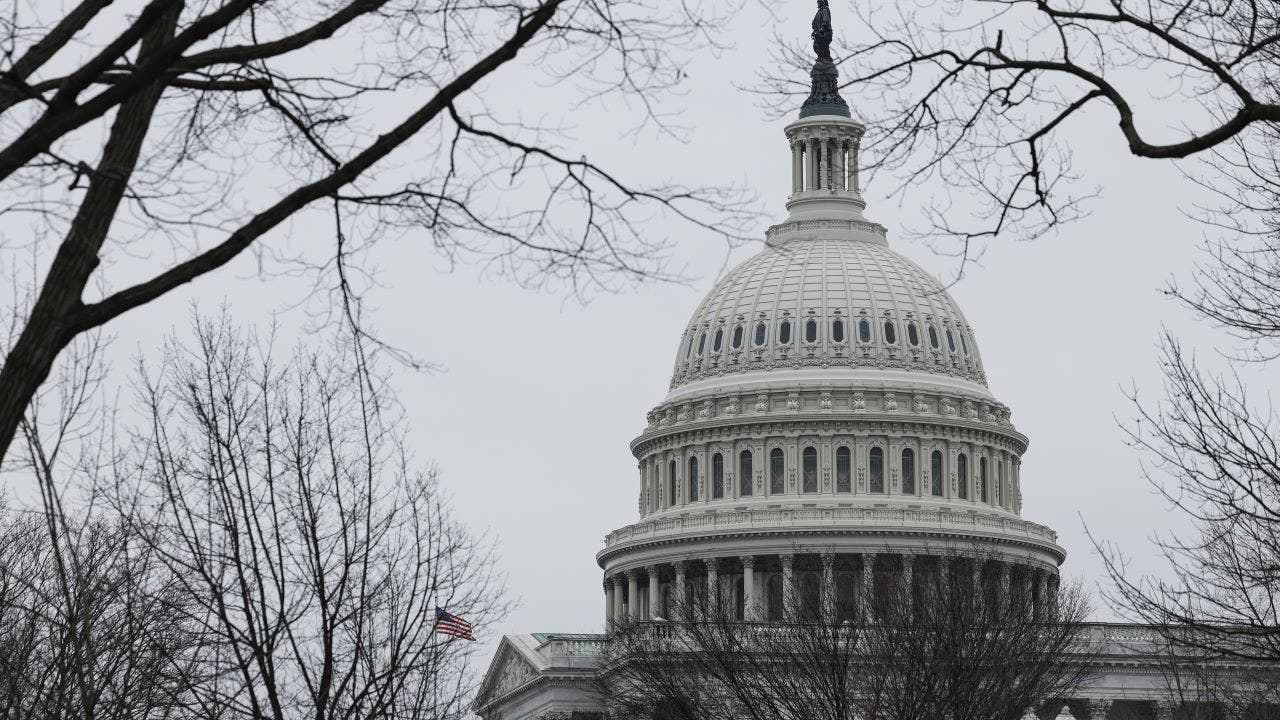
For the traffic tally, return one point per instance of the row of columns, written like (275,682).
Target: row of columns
(823,163)
(1100,709)
(624,600)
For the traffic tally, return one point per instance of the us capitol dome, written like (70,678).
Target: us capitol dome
(828,434)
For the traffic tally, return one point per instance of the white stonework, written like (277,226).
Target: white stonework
(828,402)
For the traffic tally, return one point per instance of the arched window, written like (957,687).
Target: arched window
(744,473)
(913,334)
(933,337)
(777,479)
(962,476)
(951,341)
(719,341)
(844,473)
(702,343)
(982,479)
(737,337)
(811,331)
(935,472)
(864,330)
(693,478)
(837,330)
(909,471)
(761,330)
(876,469)
(671,485)
(809,469)
(717,476)
(890,332)
(784,332)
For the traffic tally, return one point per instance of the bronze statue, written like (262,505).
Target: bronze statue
(822,31)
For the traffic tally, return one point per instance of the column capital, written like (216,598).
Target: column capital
(787,560)
(712,563)
(680,566)
(653,569)
(619,579)
(633,574)
(1098,708)
(748,561)
(828,560)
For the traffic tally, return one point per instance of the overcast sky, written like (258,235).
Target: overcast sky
(539,396)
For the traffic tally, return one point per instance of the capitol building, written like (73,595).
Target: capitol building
(828,431)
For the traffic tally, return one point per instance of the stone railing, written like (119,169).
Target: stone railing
(830,519)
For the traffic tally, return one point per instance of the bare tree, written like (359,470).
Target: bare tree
(152,144)
(983,95)
(90,625)
(311,552)
(936,650)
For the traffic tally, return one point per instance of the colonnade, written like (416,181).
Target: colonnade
(824,163)
(827,585)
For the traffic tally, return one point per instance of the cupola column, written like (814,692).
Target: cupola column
(811,151)
(851,169)
(824,169)
(837,164)
(797,166)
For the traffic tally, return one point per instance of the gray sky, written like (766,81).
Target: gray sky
(530,420)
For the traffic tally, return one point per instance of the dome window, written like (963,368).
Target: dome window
(909,471)
(962,476)
(935,472)
(875,469)
(913,334)
(982,479)
(671,484)
(864,330)
(777,472)
(951,341)
(693,478)
(890,332)
(761,330)
(702,343)
(809,470)
(718,342)
(964,346)
(737,338)
(811,331)
(933,337)
(784,333)
(844,473)
(688,353)
(837,330)
(717,476)
(744,473)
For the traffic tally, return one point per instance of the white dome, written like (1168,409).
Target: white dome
(833,299)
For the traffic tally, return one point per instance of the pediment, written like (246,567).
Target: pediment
(509,670)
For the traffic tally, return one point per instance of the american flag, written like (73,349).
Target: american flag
(452,625)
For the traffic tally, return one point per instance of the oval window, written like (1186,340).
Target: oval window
(719,341)
(890,332)
(951,341)
(933,337)
(811,331)
(761,329)
(837,330)
(702,343)
(913,334)
(784,333)
(737,337)
(864,331)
